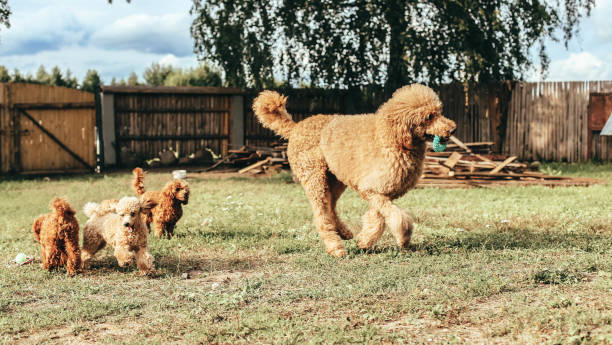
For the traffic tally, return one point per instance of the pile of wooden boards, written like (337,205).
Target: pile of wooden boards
(256,160)
(471,165)
(459,166)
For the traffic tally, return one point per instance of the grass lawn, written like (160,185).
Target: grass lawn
(526,265)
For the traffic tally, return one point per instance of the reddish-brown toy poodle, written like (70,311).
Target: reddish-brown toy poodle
(169,200)
(58,235)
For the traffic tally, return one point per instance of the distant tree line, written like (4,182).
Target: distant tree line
(154,75)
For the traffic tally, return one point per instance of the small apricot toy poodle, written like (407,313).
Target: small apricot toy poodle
(58,235)
(169,200)
(119,224)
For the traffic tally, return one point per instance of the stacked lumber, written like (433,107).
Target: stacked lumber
(255,160)
(461,165)
(471,165)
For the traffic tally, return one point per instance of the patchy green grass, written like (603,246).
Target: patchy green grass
(527,265)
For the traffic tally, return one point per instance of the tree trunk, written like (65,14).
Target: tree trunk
(395,15)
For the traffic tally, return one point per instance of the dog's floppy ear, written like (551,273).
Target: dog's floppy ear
(147,203)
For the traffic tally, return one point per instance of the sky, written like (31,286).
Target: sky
(122,38)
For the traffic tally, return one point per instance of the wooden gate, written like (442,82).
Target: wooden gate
(46,129)
(149,120)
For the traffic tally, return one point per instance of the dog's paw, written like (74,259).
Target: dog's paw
(337,252)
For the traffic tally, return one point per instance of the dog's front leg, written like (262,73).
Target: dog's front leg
(144,261)
(124,256)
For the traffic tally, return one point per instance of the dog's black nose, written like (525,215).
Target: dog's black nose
(126,224)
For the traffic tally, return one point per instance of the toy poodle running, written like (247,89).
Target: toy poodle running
(169,200)
(379,155)
(58,235)
(119,224)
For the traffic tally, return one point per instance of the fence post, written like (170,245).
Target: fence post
(108,129)
(237,120)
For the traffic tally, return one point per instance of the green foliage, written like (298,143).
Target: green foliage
(5,13)
(162,75)
(4,75)
(132,79)
(55,78)
(91,81)
(386,42)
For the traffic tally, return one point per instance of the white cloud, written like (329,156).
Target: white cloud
(580,66)
(153,34)
(109,63)
(48,28)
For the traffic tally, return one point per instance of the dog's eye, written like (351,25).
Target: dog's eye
(430,116)
(133,214)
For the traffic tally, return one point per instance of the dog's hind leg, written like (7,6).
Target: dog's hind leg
(399,221)
(319,194)
(337,188)
(373,227)
(73,263)
(92,243)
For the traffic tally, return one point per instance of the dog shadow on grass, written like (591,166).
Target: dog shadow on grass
(177,265)
(507,239)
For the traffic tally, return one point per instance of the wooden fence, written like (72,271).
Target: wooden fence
(307,102)
(535,121)
(549,121)
(46,129)
(149,120)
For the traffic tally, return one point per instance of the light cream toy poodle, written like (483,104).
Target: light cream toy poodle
(119,224)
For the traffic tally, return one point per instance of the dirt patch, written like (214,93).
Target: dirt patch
(86,333)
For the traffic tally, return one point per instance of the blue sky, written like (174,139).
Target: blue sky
(120,38)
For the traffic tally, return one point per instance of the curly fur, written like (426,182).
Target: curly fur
(169,209)
(119,224)
(379,155)
(58,235)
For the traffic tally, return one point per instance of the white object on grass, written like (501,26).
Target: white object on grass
(21,258)
(179,174)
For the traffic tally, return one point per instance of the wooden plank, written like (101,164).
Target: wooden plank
(169,137)
(253,166)
(172,90)
(177,110)
(502,165)
(56,105)
(452,160)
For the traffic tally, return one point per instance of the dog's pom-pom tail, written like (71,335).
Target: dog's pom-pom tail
(90,209)
(61,206)
(138,181)
(270,109)
(36,228)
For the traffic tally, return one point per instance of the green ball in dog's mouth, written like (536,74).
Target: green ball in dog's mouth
(438,146)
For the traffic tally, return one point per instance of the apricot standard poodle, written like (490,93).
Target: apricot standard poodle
(169,209)
(58,235)
(379,155)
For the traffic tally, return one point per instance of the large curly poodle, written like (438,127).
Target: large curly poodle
(379,155)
